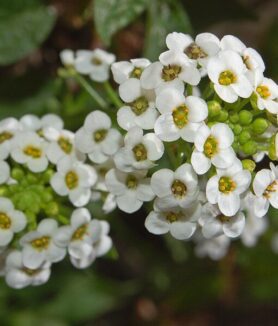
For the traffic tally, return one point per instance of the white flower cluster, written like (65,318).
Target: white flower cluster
(44,186)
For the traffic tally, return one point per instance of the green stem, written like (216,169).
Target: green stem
(189,90)
(208,91)
(112,95)
(83,82)
(171,155)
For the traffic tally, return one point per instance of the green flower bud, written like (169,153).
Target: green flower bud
(233,117)
(214,108)
(250,148)
(237,129)
(46,196)
(4,190)
(259,126)
(52,209)
(245,117)
(244,137)
(17,174)
(31,178)
(249,165)
(223,116)
(47,175)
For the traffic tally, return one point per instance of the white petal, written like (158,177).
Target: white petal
(80,197)
(212,189)
(18,221)
(58,184)
(226,93)
(130,90)
(198,109)
(156,225)
(5,237)
(182,230)
(229,204)
(161,182)
(223,133)
(212,229)
(151,76)
(235,226)
(224,159)
(200,162)
(165,128)
(154,146)
(128,202)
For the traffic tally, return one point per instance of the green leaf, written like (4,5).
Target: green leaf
(24,25)
(164,18)
(112,15)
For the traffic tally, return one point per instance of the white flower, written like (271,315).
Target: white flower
(74,179)
(109,204)
(172,70)
(227,72)
(130,189)
(181,223)
(226,186)
(94,63)
(85,239)
(97,139)
(179,188)
(213,146)
(215,223)
(4,172)
(265,186)
(266,91)
(254,226)
(139,151)
(180,116)
(8,128)
(123,70)
(30,149)
(38,246)
(139,109)
(206,45)
(67,57)
(19,276)
(30,122)
(11,221)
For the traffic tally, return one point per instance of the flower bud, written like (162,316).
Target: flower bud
(249,165)
(244,137)
(17,174)
(223,116)
(245,117)
(259,126)
(52,209)
(214,108)
(250,147)
(237,129)
(234,117)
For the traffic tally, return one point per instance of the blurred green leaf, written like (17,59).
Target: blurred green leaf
(24,25)
(112,15)
(172,17)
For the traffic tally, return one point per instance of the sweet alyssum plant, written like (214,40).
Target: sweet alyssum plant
(204,111)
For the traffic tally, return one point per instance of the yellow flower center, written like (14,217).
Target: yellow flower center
(72,180)
(79,233)
(140,152)
(65,145)
(5,221)
(263,91)
(100,135)
(180,116)
(33,151)
(273,187)
(136,72)
(226,185)
(170,72)
(173,216)
(96,61)
(140,105)
(210,147)
(193,51)
(5,135)
(131,182)
(41,243)
(178,189)
(227,78)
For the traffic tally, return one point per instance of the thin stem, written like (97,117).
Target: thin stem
(112,95)
(189,90)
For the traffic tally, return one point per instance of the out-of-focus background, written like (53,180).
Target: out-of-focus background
(155,280)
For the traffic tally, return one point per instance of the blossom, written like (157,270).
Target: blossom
(67,57)
(31,122)
(11,221)
(38,246)
(227,72)
(226,186)
(139,151)
(180,116)
(94,63)
(124,70)
(30,149)
(74,179)
(19,276)
(8,129)
(130,189)
(97,139)
(175,188)
(139,109)
(181,223)
(4,172)
(213,146)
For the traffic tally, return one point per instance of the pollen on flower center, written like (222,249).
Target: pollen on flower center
(223,219)
(193,51)
(79,233)
(100,135)
(227,78)
(41,243)
(178,189)
(65,145)
(170,72)
(131,182)
(96,61)
(180,116)
(5,221)
(270,189)
(136,72)
(226,185)
(263,91)
(210,147)
(172,217)
(5,136)
(140,105)
(72,180)
(140,152)
(33,151)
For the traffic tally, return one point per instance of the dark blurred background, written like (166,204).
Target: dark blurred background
(154,280)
